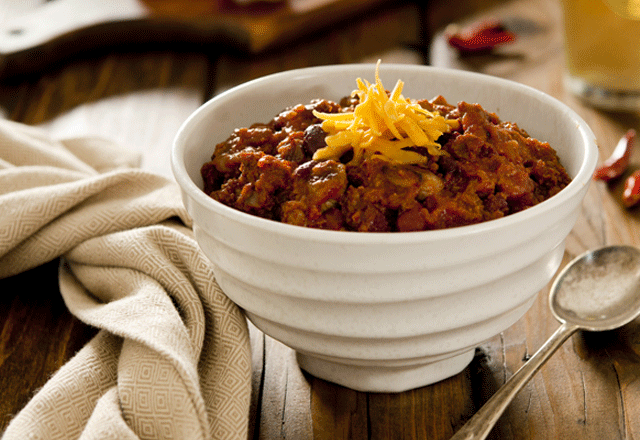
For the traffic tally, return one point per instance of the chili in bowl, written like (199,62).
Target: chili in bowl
(406,305)
(376,161)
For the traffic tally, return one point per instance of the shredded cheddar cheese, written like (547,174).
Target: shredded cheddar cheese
(383,125)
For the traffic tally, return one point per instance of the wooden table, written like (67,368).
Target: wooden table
(589,389)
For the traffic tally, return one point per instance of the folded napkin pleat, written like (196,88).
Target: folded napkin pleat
(172,357)
(105,422)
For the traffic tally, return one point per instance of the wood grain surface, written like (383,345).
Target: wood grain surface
(590,389)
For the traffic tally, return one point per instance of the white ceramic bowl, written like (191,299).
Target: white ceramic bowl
(383,311)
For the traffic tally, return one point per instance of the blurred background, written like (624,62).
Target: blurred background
(133,70)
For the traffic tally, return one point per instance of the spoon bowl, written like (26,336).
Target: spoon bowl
(597,291)
(600,290)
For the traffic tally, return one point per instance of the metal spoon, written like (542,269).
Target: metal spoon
(597,291)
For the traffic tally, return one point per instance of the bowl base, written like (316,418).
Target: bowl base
(385,379)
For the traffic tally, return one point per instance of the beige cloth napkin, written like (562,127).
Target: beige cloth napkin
(172,358)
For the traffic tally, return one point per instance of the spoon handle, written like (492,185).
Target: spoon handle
(480,425)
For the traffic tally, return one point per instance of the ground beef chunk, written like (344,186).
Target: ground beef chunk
(317,189)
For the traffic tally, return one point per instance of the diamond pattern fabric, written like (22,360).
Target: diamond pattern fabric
(172,358)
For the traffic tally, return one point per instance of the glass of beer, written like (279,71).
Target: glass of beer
(602,45)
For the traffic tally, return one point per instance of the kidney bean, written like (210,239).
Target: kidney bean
(314,139)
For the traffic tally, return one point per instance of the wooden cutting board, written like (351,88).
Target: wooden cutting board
(60,28)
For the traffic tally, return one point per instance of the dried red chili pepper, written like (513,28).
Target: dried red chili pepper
(481,37)
(631,193)
(618,162)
